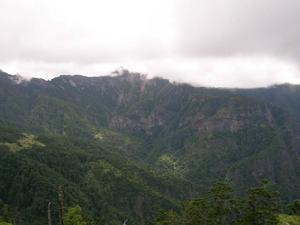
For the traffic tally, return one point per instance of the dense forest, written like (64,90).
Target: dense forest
(127,149)
(219,206)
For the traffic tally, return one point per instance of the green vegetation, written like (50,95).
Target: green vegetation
(288,220)
(125,148)
(108,187)
(6,215)
(219,206)
(74,216)
(27,142)
(4,223)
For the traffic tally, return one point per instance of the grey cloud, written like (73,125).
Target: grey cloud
(34,31)
(201,28)
(220,27)
(221,42)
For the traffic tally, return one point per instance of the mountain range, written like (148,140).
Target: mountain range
(125,147)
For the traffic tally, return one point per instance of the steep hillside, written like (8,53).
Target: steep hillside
(109,188)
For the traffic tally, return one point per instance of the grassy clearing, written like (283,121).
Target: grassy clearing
(27,142)
(288,220)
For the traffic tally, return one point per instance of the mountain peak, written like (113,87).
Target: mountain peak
(18,79)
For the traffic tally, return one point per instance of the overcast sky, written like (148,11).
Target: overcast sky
(221,43)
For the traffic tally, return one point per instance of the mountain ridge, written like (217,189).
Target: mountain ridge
(196,134)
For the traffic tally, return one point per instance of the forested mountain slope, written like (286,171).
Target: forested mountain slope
(126,146)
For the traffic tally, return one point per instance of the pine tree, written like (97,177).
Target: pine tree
(74,216)
(261,206)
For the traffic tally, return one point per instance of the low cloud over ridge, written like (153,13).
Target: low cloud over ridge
(228,43)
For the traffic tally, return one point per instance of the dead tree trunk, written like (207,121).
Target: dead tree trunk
(49,214)
(61,204)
